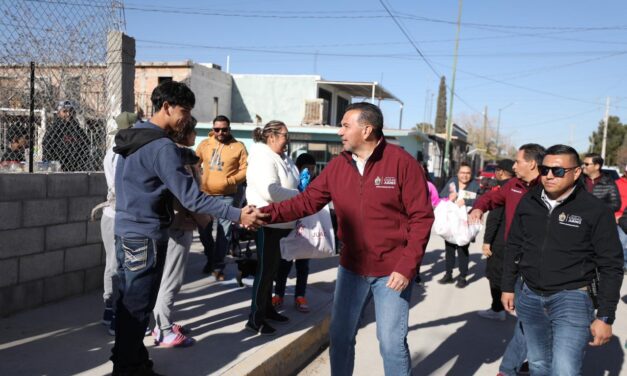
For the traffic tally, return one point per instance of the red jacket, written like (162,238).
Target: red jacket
(384,217)
(621,183)
(509,196)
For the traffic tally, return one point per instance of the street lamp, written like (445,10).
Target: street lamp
(498,127)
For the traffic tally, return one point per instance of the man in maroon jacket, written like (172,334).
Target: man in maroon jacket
(384,217)
(527,164)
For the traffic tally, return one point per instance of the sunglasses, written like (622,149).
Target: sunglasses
(558,172)
(223,130)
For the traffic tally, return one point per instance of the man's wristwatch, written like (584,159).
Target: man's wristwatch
(605,319)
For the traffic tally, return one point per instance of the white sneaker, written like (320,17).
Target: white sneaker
(492,315)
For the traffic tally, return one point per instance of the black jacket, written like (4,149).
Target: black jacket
(495,236)
(606,190)
(67,142)
(559,250)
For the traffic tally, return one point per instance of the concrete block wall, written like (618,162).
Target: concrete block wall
(49,248)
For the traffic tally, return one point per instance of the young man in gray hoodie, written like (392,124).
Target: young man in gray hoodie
(149,173)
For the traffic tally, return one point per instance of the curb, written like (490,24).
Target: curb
(287,354)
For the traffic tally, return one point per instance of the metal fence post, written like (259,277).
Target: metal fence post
(31,130)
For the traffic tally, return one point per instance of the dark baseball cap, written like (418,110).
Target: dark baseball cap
(506,165)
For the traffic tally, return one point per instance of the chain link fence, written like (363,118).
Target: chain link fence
(66,42)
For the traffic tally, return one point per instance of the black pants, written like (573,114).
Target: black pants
(269,256)
(495,291)
(462,253)
(302,272)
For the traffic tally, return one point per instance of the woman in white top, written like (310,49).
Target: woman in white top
(271,177)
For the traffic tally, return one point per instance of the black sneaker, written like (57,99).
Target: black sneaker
(461,282)
(448,278)
(107,316)
(263,329)
(277,317)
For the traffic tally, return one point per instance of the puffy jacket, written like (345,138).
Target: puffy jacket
(559,249)
(606,190)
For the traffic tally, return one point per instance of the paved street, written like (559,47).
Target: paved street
(446,336)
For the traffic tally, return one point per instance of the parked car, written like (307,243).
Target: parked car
(486,177)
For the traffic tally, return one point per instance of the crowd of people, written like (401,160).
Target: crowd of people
(554,253)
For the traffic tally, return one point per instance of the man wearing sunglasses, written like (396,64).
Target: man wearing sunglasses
(559,235)
(224,161)
(526,167)
(601,185)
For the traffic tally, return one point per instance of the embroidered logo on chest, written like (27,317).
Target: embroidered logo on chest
(385,182)
(571,220)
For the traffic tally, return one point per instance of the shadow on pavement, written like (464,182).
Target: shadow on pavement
(67,337)
(606,360)
(476,342)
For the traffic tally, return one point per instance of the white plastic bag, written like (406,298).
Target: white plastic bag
(313,237)
(451,223)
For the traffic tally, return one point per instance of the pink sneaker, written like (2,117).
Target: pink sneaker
(179,340)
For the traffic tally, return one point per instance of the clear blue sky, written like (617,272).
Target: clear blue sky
(556,61)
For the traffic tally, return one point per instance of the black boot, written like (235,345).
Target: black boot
(448,278)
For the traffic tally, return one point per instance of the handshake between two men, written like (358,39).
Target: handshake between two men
(252,218)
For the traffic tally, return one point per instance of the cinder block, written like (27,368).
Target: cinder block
(51,211)
(20,297)
(23,241)
(94,278)
(83,257)
(67,235)
(8,272)
(64,285)
(10,215)
(97,184)
(41,265)
(22,186)
(93,232)
(80,207)
(68,185)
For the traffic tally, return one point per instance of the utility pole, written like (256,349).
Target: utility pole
(449,118)
(606,120)
(498,129)
(485,128)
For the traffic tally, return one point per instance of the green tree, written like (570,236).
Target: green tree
(440,117)
(615,135)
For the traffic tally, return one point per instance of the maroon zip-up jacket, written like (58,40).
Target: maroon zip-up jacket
(509,196)
(384,217)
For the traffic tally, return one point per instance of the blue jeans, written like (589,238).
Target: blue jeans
(352,293)
(623,241)
(557,330)
(217,254)
(140,267)
(516,351)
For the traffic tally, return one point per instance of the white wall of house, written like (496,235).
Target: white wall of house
(271,97)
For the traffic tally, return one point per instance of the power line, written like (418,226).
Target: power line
(409,38)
